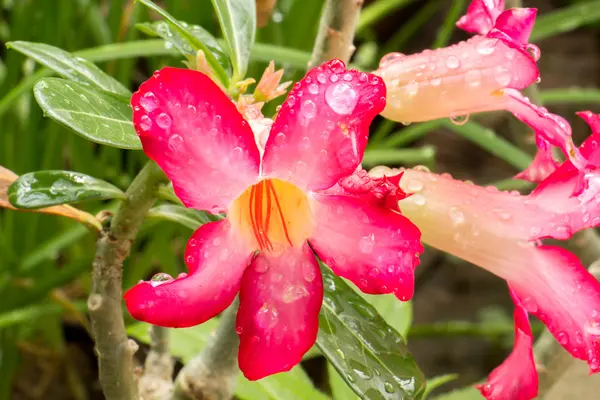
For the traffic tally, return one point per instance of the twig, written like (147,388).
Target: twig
(156,382)
(115,351)
(212,374)
(336,31)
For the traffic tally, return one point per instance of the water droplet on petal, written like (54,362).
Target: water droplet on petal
(145,123)
(503,76)
(261,265)
(389,387)
(313,88)
(457,216)
(412,88)
(342,98)
(367,243)
(389,58)
(563,338)
(486,47)
(418,199)
(534,51)
(452,62)
(163,120)
(267,317)
(308,271)
(414,185)
(309,109)
(473,77)
(175,142)
(294,293)
(160,279)
(149,102)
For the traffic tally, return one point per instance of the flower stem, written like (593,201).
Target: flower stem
(213,373)
(156,382)
(336,31)
(115,351)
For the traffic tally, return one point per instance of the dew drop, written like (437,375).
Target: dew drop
(563,338)
(145,123)
(412,88)
(473,77)
(162,277)
(309,109)
(459,119)
(294,293)
(457,216)
(435,81)
(389,387)
(267,317)
(503,76)
(340,353)
(592,327)
(418,199)
(486,47)
(414,185)
(350,378)
(321,78)
(452,62)
(367,243)
(175,142)
(261,265)
(342,98)
(149,102)
(389,58)
(534,51)
(308,272)
(163,120)
(313,88)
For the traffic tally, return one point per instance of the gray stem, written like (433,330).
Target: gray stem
(336,31)
(212,374)
(115,351)
(156,382)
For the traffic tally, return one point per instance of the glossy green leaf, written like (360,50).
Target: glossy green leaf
(370,355)
(238,24)
(187,217)
(95,115)
(70,66)
(436,382)
(194,42)
(49,188)
(173,37)
(188,342)
(398,314)
(565,20)
(339,389)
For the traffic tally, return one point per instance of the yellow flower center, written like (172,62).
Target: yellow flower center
(272,215)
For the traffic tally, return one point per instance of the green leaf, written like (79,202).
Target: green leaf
(49,188)
(70,66)
(170,35)
(398,314)
(339,389)
(238,24)
(188,342)
(565,20)
(369,354)
(436,382)
(569,96)
(194,41)
(95,115)
(187,217)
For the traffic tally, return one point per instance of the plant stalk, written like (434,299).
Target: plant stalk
(336,31)
(114,349)
(156,382)
(212,374)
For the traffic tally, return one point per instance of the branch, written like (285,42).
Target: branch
(213,373)
(115,351)
(336,31)
(157,381)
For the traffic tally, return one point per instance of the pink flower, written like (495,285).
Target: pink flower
(276,204)
(501,232)
(484,73)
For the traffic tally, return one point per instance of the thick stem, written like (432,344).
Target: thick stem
(336,31)
(115,351)
(212,374)
(157,381)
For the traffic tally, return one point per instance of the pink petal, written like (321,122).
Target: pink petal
(216,260)
(196,135)
(490,229)
(517,23)
(481,16)
(382,191)
(278,320)
(565,297)
(593,120)
(458,80)
(321,131)
(541,167)
(549,128)
(516,378)
(377,249)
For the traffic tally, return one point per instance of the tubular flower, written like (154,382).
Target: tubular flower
(501,231)
(277,203)
(484,73)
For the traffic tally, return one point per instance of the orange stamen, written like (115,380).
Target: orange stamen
(287,235)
